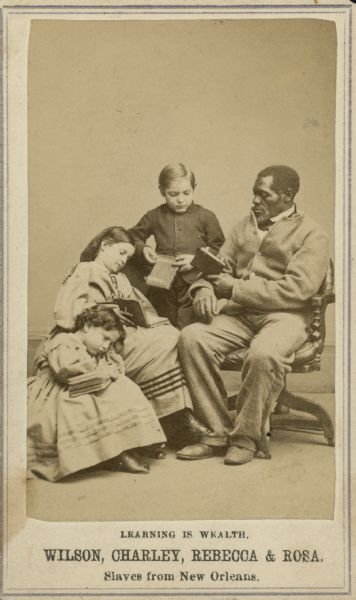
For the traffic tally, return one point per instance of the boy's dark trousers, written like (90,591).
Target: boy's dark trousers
(174,304)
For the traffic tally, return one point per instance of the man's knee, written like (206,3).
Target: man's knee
(191,336)
(263,358)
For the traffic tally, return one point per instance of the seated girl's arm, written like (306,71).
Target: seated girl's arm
(77,293)
(65,361)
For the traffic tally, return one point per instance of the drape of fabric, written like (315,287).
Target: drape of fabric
(150,355)
(65,434)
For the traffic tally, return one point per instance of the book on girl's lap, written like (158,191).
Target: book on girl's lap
(163,272)
(135,311)
(87,383)
(207,262)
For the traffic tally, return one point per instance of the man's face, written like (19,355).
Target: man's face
(267,203)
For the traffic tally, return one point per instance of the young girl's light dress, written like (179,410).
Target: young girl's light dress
(150,354)
(67,434)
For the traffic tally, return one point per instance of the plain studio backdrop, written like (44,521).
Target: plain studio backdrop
(112,102)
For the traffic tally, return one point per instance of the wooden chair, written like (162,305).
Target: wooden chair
(307,359)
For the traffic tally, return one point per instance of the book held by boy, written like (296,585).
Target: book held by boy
(206,262)
(163,272)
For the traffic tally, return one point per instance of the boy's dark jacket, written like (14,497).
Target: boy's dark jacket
(179,233)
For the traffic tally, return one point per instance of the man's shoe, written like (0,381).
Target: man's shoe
(238,456)
(196,452)
(190,424)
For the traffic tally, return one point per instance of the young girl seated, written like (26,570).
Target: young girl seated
(179,228)
(70,427)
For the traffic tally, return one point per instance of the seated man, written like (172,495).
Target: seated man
(278,259)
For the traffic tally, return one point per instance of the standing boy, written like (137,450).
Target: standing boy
(179,228)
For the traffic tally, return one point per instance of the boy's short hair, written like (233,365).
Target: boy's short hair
(174,171)
(100,316)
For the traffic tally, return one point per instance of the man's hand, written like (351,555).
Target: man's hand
(149,255)
(183,261)
(222,283)
(205,304)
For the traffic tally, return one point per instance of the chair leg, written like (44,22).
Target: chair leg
(300,403)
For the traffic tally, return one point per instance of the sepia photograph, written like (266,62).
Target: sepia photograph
(206,134)
(177,251)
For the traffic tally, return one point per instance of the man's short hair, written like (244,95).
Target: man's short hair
(285,179)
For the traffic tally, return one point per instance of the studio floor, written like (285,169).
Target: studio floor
(298,482)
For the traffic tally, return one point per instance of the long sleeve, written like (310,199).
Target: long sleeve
(281,273)
(229,251)
(302,279)
(197,285)
(142,231)
(73,296)
(213,232)
(175,233)
(66,359)
(85,286)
